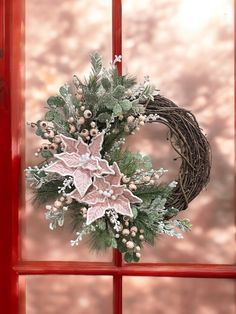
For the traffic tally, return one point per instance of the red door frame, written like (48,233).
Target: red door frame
(11,120)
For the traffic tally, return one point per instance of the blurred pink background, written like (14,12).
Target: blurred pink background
(186,47)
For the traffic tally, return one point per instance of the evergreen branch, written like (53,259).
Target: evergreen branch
(96,62)
(76,216)
(47,193)
(100,240)
(153,190)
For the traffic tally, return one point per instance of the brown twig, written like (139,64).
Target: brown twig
(191,145)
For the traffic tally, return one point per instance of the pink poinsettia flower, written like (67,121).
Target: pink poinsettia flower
(107,193)
(81,161)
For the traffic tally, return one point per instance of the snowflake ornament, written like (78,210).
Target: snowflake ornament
(81,161)
(106,194)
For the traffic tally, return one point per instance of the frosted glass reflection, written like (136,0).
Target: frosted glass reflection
(68,294)
(178,296)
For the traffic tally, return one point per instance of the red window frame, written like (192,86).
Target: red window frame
(11,120)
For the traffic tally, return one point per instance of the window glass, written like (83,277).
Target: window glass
(67,294)
(178,295)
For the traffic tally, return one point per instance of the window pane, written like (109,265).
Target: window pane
(60,36)
(187,49)
(178,296)
(68,294)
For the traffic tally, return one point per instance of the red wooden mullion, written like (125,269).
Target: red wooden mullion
(11,35)
(117,50)
(142,269)
(5,159)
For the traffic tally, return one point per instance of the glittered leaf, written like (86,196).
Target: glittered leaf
(135,212)
(117,110)
(119,91)
(103,117)
(63,91)
(106,83)
(126,105)
(39,132)
(109,102)
(46,154)
(55,101)
(114,243)
(49,116)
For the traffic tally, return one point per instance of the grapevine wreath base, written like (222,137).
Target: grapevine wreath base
(189,143)
(112,195)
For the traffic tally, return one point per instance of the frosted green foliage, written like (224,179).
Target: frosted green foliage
(129,162)
(96,63)
(114,104)
(56,218)
(184,224)
(174,228)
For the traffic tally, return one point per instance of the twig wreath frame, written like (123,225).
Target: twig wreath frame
(191,145)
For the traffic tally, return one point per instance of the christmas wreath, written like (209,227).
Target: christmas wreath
(112,195)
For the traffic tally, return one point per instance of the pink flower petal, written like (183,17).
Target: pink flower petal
(96,211)
(117,190)
(101,184)
(61,168)
(96,145)
(92,165)
(131,197)
(70,143)
(82,147)
(105,168)
(70,159)
(82,180)
(122,206)
(76,195)
(115,178)
(93,198)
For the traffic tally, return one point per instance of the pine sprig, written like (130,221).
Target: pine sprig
(100,240)
(76,215)
(96,63)
(47,193)
(129,81)
(150,191)
(129,162)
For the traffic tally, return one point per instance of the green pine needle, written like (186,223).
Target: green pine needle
(47,193)
(100,240)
